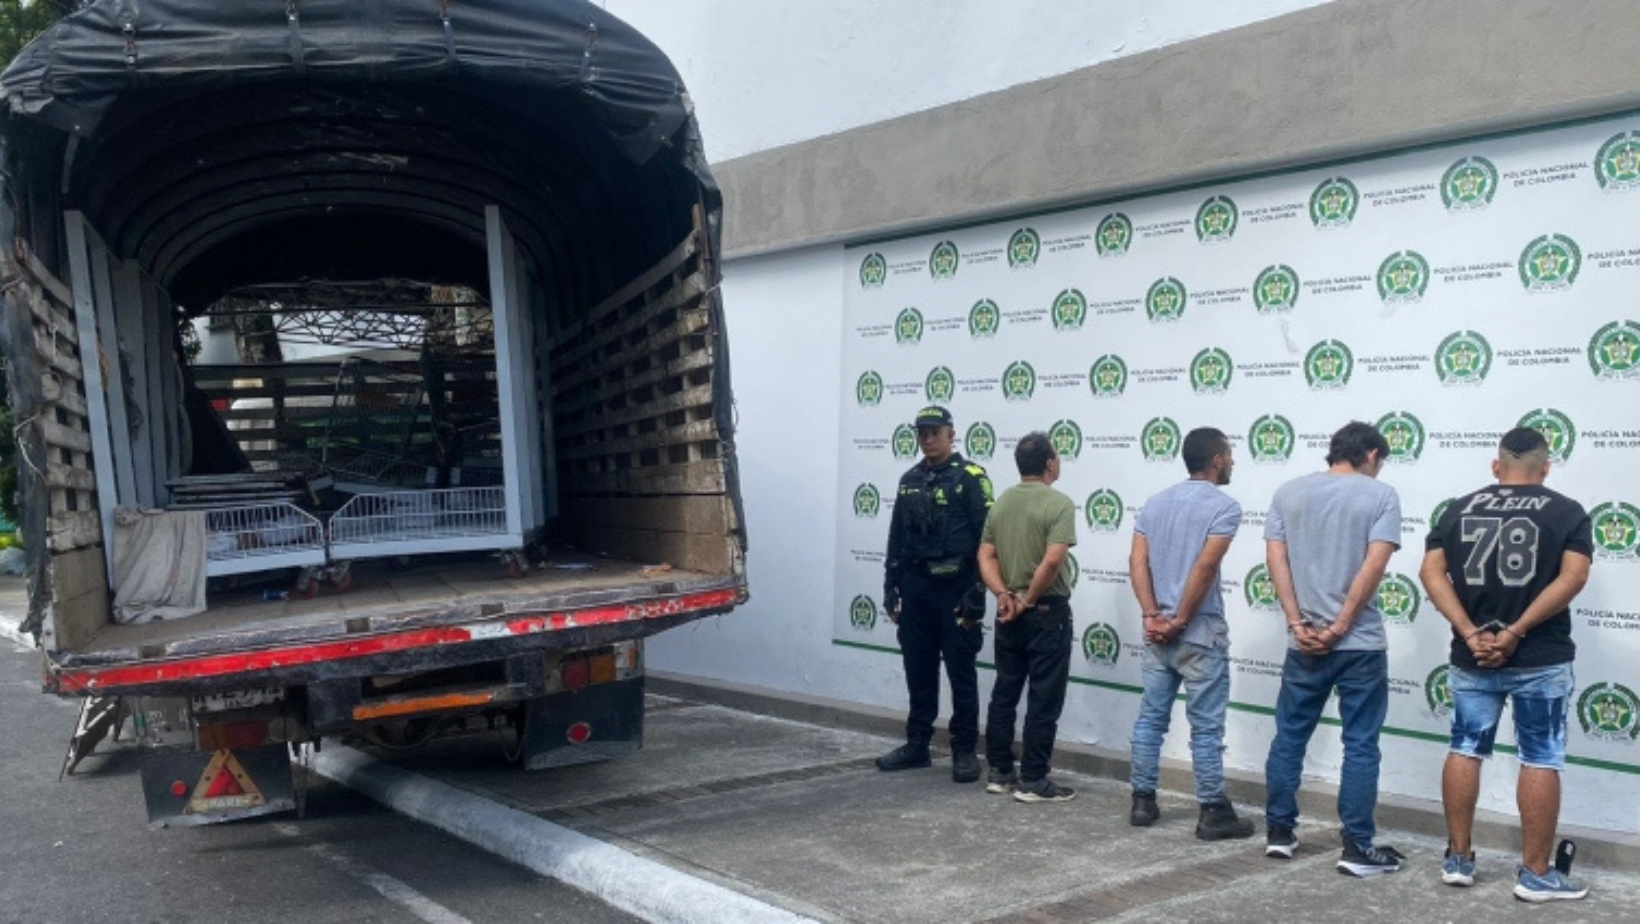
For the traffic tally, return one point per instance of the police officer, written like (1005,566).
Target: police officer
(932,593)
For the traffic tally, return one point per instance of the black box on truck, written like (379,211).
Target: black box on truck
(433,531)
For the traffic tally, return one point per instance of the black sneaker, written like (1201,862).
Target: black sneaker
(1043,790)
(1000,781)
(964,767)
(1219,822)
(1144,812)
(1280,842)
(908,756)
(1367,860)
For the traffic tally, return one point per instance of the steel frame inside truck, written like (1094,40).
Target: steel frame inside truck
(160,155)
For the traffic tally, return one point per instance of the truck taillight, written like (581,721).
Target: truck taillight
(578,733)
(576,674)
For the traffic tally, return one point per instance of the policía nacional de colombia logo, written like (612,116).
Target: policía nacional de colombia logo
(1216,220)
(1609,712)
(1114,235)
(980,442)
(1404,434)
(1403,277)
(1211,371)
(1470,183)
(873,271)
(1101,645)
(1024,246)
(1260,591)
(1438,692)
(1328,365)
(940,385)
(1070,309)
(943,260)
(862,613)
(1463,358)
(1614,350)
(908,327)
(1557,430)
(904,441)
(1333,203)
(1165,301)
(1617,165)
(984,319)
(867,502)
(1271,439)
(1018,381)
(1104,511)
(1159,440)
(1616,531)
(1398,599)
(1549,263)
(1066,438)
(868,389)
(1275,291)
(1074,567)
(1439,511)
(1108,376)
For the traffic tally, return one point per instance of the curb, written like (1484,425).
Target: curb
(641,887)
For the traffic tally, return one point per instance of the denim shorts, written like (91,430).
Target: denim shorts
(1540,697)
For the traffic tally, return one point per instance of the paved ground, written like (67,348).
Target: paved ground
(795,815)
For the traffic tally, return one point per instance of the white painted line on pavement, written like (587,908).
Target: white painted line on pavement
(389,888)
(650,890)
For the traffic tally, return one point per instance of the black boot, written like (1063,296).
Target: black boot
(1144,812)
(907,756)
(1219,823)
(964,767)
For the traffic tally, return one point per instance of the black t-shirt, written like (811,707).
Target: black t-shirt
(1503,545)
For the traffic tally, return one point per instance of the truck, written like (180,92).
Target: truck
(511,461)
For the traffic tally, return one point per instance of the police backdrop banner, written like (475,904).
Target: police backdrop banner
(1446,294)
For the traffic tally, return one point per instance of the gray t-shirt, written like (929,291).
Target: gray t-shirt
(1327,521)
(1175,524)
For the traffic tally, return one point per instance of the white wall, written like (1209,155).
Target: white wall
(786,352)
(764,73)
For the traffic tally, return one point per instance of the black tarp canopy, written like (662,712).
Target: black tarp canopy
(223,143)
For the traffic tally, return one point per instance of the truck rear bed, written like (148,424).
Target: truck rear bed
(445,612)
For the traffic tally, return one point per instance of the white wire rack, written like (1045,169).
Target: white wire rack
(398,523)
(261,537)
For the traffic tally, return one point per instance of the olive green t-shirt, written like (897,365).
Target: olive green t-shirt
(1025,520)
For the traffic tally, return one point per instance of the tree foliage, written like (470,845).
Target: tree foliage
(21,21)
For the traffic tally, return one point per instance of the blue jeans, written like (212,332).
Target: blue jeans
(1205,673)
(1362,681)
(1541,698)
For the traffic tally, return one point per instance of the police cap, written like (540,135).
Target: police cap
(934,416)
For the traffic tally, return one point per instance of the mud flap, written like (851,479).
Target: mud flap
(601,722)
(188,787)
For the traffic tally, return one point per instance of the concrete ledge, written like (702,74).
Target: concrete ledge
(650,890)
(1334,81)
(1316,799)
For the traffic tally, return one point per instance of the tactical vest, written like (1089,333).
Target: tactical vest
(934,518)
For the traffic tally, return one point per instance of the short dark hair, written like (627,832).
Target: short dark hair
(1353,441)
(1200,446)
(1032,454)
(1521,442)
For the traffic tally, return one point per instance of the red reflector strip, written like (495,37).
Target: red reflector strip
(86,680)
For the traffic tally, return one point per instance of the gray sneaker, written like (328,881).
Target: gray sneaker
(1548,887)
(1000,781)
(1043,790)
